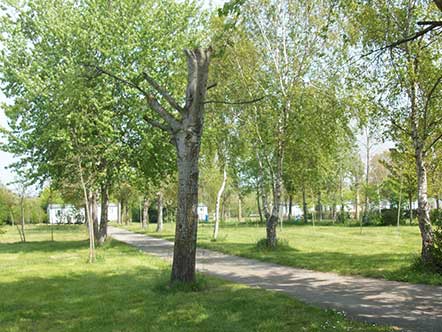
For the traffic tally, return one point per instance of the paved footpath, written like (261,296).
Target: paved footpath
(411,307)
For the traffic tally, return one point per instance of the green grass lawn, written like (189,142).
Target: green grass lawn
(49,286)
(380,252)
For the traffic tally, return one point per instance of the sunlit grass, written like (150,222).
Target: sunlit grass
(49,286)
(381,252)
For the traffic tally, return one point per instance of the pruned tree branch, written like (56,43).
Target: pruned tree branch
(433,143)
(243,102)
(172,102)
(150,99)
(157,108)
(396,125)
(412,37)
(212,85)
(117,78)
(433,89)
(156,124)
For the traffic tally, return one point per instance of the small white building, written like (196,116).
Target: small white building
(296,211)
(203,212)
(69,214)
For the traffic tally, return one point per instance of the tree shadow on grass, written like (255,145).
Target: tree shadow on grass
(42,246)
(115,297)
(389,266)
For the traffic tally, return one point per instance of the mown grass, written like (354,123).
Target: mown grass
(379,252)
(48,286)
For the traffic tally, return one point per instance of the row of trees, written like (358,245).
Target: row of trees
(102,99)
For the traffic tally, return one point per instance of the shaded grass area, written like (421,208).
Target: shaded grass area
(379,252)
(49,286)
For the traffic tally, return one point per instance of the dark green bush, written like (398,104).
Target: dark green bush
(436,250)
(436,217)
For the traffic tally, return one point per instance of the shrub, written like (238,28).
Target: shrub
(281,244)
(436,250)
(436,217)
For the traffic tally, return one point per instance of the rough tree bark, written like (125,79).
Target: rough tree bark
(423,211)
(94,213)
(187,139)
(217,204)
(185,126)
(160,212)
(145,218)
(289,217)
(319,206)
(104,217)
(88,214)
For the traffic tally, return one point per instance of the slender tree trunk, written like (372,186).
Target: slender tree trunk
(145,219)
(367,173)
(160,212)
(423,210)
(218,202)
(119,213)
(22,209)
(399,204)
(273,219)
(88,216)
(410,206)
(261,219)
(94,213)
(126,212)
(104,217)
(357,202)
(304,205)
(319,206)
(187,141)
(239,209)
(290,207)
(436,197)
(379,201)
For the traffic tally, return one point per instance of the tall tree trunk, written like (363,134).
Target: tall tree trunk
(94,213)
(125,211)
(187,141)
(261,219)
(304,205)
(399,203)
(319,206)
(410,206)
(423,210)
(119,213)
(145,218)
(160,212)
(218,202)
(379,201)
(357,202)
(289,216)
(367,173)
(273,218)
(104,217)
(239,208)
(88,215)
(22,209)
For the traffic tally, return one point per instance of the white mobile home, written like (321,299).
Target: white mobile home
(69,214)
(203,213)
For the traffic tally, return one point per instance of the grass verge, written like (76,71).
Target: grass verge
(49,286)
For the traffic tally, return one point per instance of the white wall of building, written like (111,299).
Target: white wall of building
(69,214)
